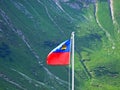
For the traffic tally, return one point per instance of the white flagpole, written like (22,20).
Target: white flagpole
(72,37)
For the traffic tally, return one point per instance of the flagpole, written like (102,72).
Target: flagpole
(72,37)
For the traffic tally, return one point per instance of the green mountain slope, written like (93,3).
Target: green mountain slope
(29,30)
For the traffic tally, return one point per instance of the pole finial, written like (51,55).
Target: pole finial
(73,33)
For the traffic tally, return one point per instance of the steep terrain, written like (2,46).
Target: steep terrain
(29,30)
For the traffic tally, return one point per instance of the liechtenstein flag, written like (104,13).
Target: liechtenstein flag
(60,55)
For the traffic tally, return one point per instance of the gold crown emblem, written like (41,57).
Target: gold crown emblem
(63,47)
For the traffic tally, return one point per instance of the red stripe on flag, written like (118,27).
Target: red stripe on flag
(61,58)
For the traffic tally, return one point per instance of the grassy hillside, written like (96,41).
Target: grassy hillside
(29,30)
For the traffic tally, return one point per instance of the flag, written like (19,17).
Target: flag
(60,55)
